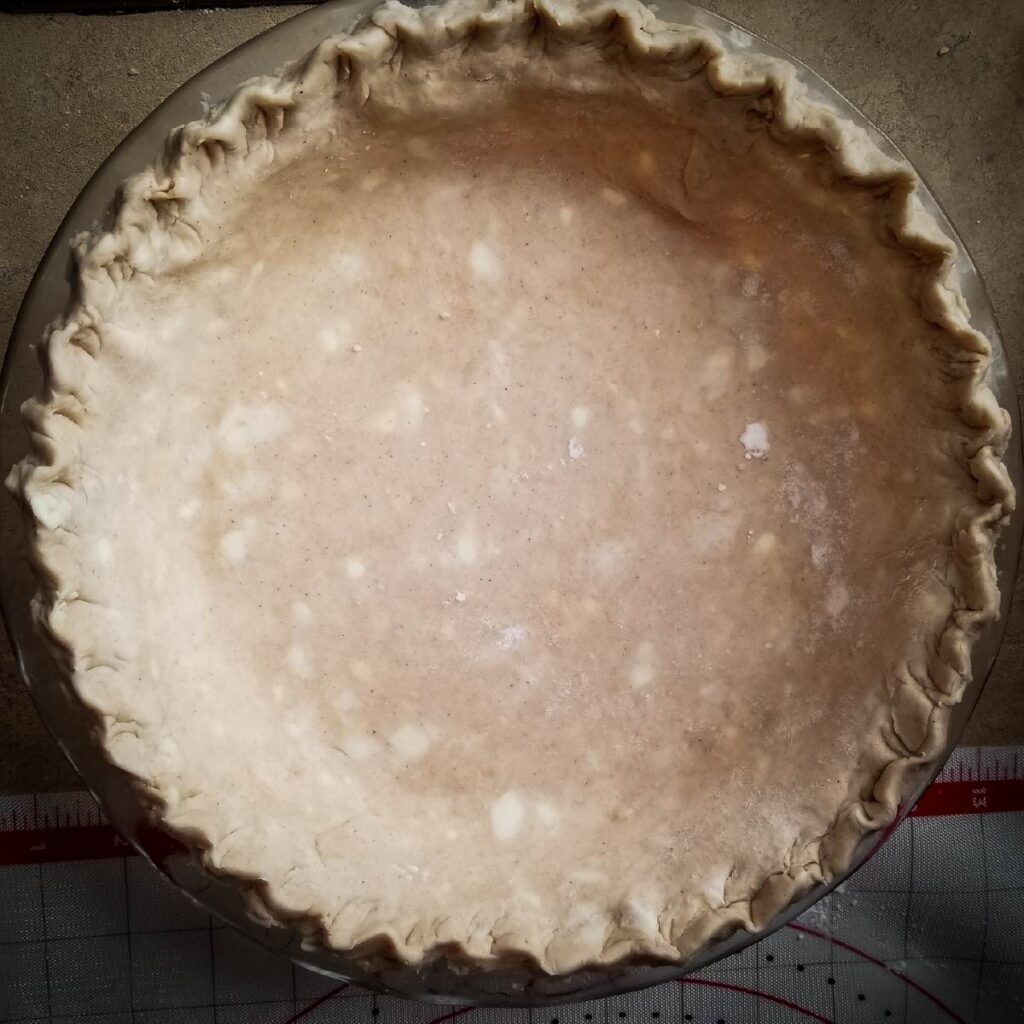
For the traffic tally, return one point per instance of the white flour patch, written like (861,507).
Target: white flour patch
(466,548)
(360,670)
(512,637)
(714,886)
(499,358)
(302,614)
(245,426)
(609,557)
(576,449)
(336,337)
(330,340)
(755,441)
(350,264)
(345,701)
(547,812)
(189,509)
(460,596)
(642,670)
(234,547)
(483,261)
(414,407)
(837,600)
(355,568)
(751,286)
(360,747)
(757,356)
(507,814)
(298,662)
(410,742)
(641,916)
(821,553)
(718,373)
(580,416)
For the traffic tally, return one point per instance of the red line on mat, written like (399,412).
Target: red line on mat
(772,998)
(317,1002)
(451,1015)
(814,933)
(457,1012)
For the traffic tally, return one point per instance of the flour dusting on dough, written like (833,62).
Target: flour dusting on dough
(484,262)
(507,814)
(755,441)
(245,426)
(837,600)
(512,637)
(410,742)
(234,547)
(642,670)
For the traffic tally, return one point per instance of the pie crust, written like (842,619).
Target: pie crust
(518,486)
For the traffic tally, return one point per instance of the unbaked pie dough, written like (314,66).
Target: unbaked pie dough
(519,485)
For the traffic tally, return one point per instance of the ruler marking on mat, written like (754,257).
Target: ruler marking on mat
(61,843)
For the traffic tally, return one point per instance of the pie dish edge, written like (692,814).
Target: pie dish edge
(146,224)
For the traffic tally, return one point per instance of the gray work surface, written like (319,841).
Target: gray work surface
(944,79)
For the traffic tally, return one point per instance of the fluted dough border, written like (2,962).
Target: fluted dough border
(150,228)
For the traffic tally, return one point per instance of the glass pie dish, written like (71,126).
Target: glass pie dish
(60,708)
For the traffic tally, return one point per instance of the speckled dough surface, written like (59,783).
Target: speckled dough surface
(519,485)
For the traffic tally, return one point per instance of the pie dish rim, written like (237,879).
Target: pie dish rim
(616,961)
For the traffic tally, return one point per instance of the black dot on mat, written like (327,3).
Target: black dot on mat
(687,1016)
(375,1012)
(888,1013)
(861,997)
(831,981)
(769,957)
(799,967)
(720,1021)
(622,1013)
(588,1016)
(655,1014)
(554,1020)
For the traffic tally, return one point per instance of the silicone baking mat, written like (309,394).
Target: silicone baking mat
(931,931)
